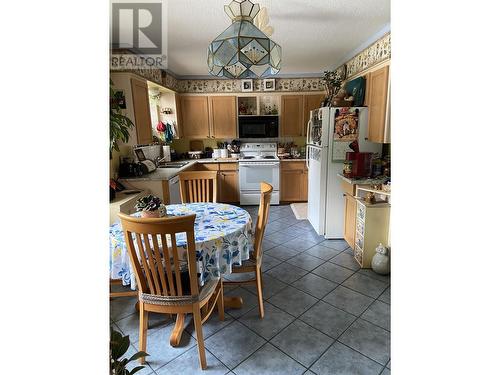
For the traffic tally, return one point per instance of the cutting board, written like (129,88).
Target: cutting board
(196,146)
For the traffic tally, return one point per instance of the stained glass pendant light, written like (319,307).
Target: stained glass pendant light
(242,50)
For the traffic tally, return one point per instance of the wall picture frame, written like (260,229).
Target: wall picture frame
(270,84)
(246,85)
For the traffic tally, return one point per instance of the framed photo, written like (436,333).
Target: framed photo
(246,85)
(269,84)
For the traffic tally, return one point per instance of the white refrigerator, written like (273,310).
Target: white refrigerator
(325,159)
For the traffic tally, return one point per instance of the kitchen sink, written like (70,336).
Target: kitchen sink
(174,164)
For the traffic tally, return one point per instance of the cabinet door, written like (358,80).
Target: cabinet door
(229,191)
(291,186)
(178,113)
(223,116)
(195,120)
(378,88)
(292,116)
(140,97)
(311,102)
(304,190)
(349,219)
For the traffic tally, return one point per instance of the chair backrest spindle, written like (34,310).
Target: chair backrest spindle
(158,268)
(198,186)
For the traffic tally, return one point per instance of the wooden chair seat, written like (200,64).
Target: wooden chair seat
(206,291)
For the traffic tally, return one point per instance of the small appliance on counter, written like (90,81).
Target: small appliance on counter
(358,164)
(148,165)
(130,169)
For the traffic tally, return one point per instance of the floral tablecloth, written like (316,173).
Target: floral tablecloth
(223,236)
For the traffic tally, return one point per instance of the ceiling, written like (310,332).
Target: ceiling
(315,35)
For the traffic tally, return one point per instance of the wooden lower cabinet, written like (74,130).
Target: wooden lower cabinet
(229,188)
(349,219)
(293,184)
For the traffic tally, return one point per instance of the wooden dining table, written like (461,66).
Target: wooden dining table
(223,237)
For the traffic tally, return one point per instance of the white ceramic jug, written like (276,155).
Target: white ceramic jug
(380,261)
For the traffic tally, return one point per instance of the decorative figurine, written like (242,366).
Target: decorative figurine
(381,261)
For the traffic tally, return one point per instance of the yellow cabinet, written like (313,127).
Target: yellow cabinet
(142,114)
(223,118)
(293,181)
(349,219)
(292,116)
(372,228)
(311,102)
(229,190)
(378,105)
(207,116)
(195,122)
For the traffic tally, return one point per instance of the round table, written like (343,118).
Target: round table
(223,236)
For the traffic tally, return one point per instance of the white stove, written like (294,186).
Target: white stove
(258,163)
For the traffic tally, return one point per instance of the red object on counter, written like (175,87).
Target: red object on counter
(360,164)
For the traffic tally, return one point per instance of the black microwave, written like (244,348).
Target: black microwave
(258,126)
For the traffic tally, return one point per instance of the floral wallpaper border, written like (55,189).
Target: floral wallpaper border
(379,51)
(370,56)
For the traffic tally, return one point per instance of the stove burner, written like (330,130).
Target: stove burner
(248,157)
(269,157)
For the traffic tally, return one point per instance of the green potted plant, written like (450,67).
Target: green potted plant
(149,206)
(119,124)
(333,82)
(118,346)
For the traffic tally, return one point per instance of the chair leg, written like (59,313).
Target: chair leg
(220,302)
(258,280)
(143,330)
(199,336)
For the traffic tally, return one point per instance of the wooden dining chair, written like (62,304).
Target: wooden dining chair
(254,264)
(198,186)
(164,285)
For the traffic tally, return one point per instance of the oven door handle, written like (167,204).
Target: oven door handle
(259,164)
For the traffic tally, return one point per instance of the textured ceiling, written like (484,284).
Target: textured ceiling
(315,34)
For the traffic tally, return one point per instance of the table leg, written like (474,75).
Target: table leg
(176,335)
(233,302)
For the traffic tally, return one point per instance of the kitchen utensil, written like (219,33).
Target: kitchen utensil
(223,153)
(195,154)
(216,153)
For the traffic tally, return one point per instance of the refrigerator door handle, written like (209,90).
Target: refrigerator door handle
(307,156)
(307,131)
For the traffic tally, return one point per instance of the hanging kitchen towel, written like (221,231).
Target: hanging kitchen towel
(169,134)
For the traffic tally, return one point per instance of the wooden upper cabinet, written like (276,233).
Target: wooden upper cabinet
(378,105)
(178,115)
(142,114)
(195,118)
(223,110)
(311,102)
(292,116)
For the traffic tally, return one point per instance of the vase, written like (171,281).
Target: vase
(150,214)
(380,261)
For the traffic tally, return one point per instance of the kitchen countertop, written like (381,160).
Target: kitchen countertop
(167,173)
(363,181)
